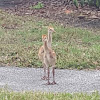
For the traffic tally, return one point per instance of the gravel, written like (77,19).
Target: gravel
(29,79)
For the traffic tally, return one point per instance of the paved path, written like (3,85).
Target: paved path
(19,79)
(10,3)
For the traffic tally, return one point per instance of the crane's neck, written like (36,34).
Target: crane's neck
(49,38)
(45,46)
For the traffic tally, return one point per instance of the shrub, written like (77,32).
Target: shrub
(97,3)
(90,2)
(82,2)
(38,6)
(75,3)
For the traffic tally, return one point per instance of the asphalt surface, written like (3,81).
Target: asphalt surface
(9,3)
(29,79)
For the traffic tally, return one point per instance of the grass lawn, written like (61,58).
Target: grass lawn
(6,95)
(20,39)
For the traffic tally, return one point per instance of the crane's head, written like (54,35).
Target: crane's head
(44,37)
(51,29)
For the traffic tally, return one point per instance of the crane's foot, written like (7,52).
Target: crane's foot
(44,78)
(48,83)
(53,83)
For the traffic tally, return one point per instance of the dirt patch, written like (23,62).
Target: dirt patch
(57,10)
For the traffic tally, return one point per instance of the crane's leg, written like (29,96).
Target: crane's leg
(48,83)
(44,77)
(53,72)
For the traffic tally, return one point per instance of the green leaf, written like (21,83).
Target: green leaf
(82,2)
(38,6)
(97,3)
(75,3)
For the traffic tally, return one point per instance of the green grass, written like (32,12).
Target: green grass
(38,6)
(7,95)
(20,39)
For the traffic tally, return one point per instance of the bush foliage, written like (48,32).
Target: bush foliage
(95,3)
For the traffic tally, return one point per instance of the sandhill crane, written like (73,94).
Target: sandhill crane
(41,50)
(49,57)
